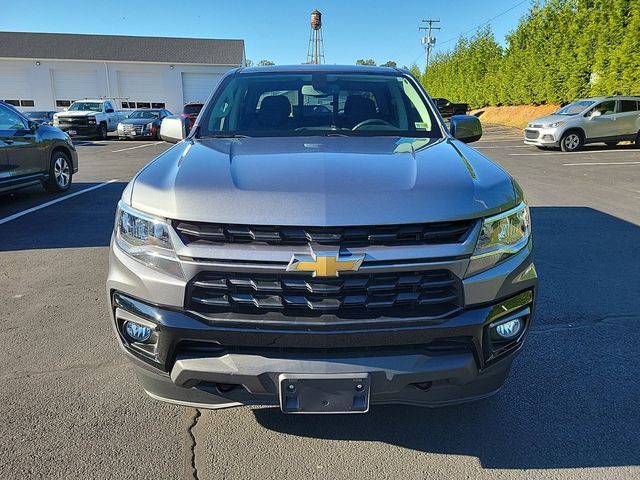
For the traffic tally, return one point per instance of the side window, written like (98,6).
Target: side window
(10,120)
(628,106)
(108,106)
(606,108)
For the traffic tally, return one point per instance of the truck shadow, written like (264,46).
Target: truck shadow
(572,399)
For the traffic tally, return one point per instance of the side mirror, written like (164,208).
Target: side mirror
(466,128)
(595,114)
(33,126)
(108,110)
(174,129)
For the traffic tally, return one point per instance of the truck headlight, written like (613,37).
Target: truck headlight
(501,236)
(146,239)
(92,120)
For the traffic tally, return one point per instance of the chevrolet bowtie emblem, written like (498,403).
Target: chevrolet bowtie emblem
(325,264)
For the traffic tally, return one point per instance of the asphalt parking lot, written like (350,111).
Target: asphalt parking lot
(71,408)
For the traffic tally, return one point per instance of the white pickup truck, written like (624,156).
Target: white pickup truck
(90,118)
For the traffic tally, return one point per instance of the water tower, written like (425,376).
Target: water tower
(315,52)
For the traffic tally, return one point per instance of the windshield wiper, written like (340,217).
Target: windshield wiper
(226,135)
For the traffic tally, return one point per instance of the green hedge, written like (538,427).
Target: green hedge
(561,50)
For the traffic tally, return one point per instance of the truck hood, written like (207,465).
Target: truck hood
(326,181)
(78,113)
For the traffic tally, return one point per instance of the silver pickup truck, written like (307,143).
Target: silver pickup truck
(322,242)
(89,118)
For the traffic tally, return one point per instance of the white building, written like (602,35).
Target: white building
(48,71)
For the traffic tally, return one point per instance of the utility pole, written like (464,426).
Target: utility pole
(429,41)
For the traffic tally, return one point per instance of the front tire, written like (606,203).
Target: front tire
(636,143)
(571,141)
(60,173)
(102,131)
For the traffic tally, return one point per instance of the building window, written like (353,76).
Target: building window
(143,105)
(15,103)
(157,105)
(27,103)
(128,105)
(63,103)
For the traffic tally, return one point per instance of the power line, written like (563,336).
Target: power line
(429,42)
(483,24)
(476,27)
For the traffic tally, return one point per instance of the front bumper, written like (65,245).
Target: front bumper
(220,363)
(542,137)
(81,130)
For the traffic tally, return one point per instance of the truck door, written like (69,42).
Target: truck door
(112,119)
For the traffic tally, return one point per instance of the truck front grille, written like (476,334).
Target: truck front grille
(77,121)
(429,293)
(409,234)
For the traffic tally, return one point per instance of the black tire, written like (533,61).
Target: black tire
(158,137)
(611,144)
(636,143)
(571,141)
(102,131)
(60,173)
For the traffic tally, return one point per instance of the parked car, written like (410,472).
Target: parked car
(447,108)
(43,117)
(32,153)
(142,123)
(321,263)
(90,118)
(592,120)
(191,111)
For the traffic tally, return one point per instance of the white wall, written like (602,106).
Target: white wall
(41,84)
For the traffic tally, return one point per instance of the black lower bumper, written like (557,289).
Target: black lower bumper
(80,130)
(189,360)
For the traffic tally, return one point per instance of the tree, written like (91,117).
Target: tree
(415,71)
(389,63)
(265,63)
(248,63)
(369,62)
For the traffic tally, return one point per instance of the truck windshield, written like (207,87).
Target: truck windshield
(309,104)
(86,106)
(575,108)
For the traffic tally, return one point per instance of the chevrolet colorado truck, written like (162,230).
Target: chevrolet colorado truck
(321,260)
(89,118)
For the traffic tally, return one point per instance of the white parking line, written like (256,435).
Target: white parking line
(53,202)
(598,163)
(503,146)
(137,146)
(584,153)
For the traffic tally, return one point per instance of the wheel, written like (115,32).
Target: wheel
(610,144)
(102,132)
(571,141)
(158,137)
(636,143)
(60,173)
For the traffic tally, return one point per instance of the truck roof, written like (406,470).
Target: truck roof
(309,68)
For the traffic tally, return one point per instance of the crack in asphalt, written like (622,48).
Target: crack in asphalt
(606,320)
(194,443)
(68,368)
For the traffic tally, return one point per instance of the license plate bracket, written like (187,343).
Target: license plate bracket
(339,393)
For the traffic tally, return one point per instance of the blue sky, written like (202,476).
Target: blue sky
(277,30)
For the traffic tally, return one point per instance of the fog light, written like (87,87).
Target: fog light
(137,332)
(510,329)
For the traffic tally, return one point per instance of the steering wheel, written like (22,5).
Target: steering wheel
(373,121)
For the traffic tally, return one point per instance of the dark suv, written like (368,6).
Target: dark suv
(31,153)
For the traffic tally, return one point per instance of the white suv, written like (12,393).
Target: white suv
(599,119)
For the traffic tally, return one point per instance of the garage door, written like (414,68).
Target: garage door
(196,87)
(14,84)
(70,85)
(141,86)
